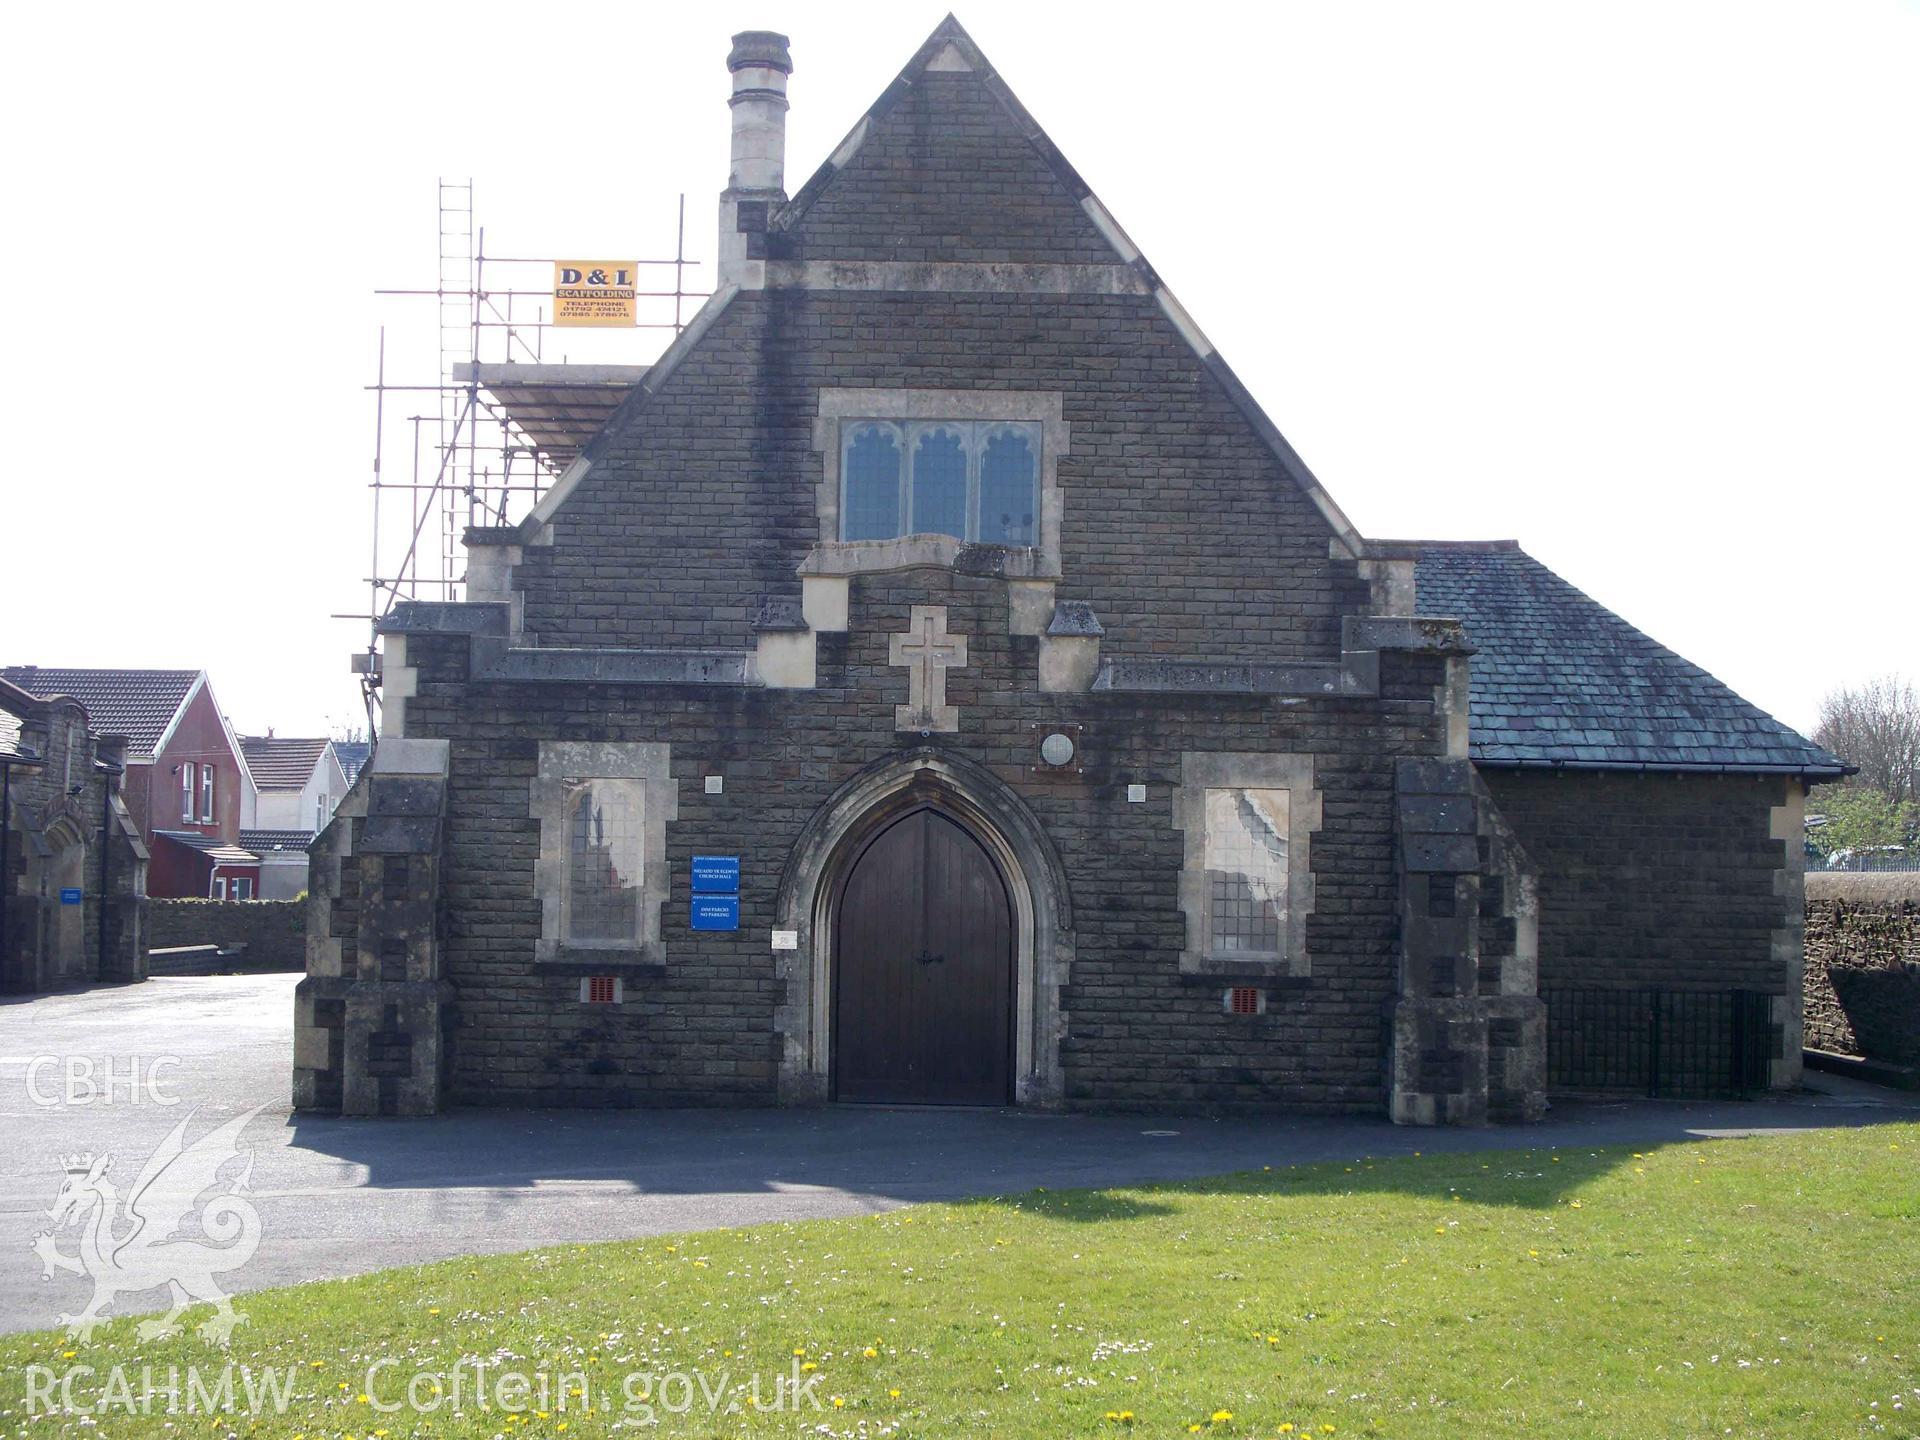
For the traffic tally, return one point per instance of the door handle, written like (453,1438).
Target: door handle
(927,958)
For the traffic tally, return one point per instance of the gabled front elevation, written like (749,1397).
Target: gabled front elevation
(940,682)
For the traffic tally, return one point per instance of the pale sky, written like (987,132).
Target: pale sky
(1635,284)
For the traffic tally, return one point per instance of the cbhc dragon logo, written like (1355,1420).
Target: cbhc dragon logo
(130,1245)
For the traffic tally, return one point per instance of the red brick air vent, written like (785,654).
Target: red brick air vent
(1245,1000)
(601,990)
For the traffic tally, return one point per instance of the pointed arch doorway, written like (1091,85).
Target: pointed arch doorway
(924,967)
(807,907)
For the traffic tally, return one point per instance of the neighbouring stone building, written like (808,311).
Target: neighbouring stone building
(940,682)
(73,869)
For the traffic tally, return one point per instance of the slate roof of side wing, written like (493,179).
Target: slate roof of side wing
(1559,680)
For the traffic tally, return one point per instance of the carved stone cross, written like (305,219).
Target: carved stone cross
(928,650)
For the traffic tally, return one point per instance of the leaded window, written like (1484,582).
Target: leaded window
(939,482)
(1008,497)
(974,480)
(1246,872)
(606,847)
(872,464)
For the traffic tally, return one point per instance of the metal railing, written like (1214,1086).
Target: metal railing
(1864,865)
(1673,1044)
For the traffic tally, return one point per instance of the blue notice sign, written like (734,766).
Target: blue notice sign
(716,912)
(72,895)
(716,874)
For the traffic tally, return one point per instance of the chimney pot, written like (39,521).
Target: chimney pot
(760,47)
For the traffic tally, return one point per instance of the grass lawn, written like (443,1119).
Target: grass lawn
(1737,1287)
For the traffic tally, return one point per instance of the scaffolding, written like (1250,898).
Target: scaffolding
(464,457)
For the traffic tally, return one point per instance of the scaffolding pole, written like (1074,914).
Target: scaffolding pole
(458,476)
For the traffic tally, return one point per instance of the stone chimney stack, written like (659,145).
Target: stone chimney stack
(760,66)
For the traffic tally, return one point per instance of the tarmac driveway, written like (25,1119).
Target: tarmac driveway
(340,1197)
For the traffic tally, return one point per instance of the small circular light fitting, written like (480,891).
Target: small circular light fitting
(1057,749)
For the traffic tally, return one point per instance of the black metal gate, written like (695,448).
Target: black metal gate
(1678,1044)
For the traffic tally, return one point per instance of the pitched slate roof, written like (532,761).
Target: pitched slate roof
(265,842)
(139,704)
(10,733)
(351,754)
(212,846)
(280,763)
(1560,680)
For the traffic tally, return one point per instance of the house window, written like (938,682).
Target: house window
(243,887)
(219,887)
(186,793)
(206,794)
(601,872)
(971,479)
(320,812)
(1246,885)
(606,849)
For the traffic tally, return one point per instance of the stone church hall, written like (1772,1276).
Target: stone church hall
(937,681)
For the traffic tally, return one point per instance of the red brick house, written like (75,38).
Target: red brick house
(186,783)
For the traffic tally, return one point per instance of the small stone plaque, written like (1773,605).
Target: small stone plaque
(716,784)
(786,939)
(1136,794)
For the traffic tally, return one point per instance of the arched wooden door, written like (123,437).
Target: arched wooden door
(923,970)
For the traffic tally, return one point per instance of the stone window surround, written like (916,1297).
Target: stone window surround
(566,762)
(973,439)
(1201,771)
(837,405)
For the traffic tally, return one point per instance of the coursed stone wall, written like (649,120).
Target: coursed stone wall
(1652,880)
(1863,966)
(274,931)
(1137,1033)
(1179,526)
